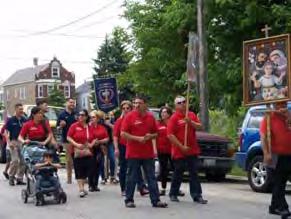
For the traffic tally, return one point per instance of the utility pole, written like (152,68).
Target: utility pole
(203,76)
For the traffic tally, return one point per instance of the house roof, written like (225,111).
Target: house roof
(24,75)
(84,88)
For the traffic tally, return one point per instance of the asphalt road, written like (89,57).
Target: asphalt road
(227,200)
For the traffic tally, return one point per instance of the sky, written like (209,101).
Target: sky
(71,30)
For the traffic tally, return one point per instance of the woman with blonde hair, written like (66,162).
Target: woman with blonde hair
(101,137)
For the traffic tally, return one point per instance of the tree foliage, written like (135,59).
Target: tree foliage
(113,55)
(56,97)
(160,32)
(112,60)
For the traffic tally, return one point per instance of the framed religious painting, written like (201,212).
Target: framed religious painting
(266,70)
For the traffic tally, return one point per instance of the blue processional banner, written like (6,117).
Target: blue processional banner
(106,94)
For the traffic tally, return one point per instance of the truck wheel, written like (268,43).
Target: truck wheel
(215,177)
(259,177)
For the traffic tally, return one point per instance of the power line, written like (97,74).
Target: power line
(94,23)
(74,21)
(56,34)
(48,60)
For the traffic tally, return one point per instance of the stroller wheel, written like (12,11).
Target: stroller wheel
(39,199)
(63,198)
(24,195)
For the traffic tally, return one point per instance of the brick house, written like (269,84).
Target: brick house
(34,83)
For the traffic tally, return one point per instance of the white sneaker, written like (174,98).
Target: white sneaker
(82,194)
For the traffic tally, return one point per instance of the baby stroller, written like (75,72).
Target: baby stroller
(32,154)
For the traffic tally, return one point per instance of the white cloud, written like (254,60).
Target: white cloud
(18,19)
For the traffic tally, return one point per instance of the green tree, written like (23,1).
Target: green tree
(113,58)
(160,32)
(56,97)
(113,55)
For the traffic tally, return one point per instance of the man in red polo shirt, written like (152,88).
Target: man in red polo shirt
(184,155)
(281,150)
(139,129)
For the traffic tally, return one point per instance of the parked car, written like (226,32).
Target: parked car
(216,158)
(250,154)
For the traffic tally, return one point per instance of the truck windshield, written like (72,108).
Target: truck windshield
(52,113)
(255,119)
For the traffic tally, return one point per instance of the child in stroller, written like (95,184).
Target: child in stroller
(44,179)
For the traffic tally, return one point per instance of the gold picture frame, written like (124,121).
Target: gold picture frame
(266,70)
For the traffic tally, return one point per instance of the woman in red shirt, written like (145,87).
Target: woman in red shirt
(36,129)
(80,136)
(100,135)
(164,146)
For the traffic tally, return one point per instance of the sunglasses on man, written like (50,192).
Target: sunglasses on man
(181,102)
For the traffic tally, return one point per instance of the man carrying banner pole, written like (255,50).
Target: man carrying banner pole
(181,131)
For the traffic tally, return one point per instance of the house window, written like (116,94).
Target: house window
(49,89)
(84,102)
(55,72)
(7,95)
(67,91)
(22,93)
(40,91)
(15,93)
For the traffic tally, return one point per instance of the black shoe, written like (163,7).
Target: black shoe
(174,198)
(160,204)
(130,205)
(11,181)
(162,192)
(181,194)
(144,192)
(20,183)
(91,189)
(97,189)
(6,175)
(200,200)
(284,213)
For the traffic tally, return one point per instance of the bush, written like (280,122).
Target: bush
(226,125)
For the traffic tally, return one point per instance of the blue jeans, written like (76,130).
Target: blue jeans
(100,165)
(123,168)
(111,157)
(148,166)
(180,165)
(51,179)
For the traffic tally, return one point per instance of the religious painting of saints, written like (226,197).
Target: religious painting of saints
(266,77)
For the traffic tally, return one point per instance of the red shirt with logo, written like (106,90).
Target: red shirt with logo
(98,132)
(176,126)
(163,143)
(79,133)
(117,131)
(35,132)
(280,134)
(139,125)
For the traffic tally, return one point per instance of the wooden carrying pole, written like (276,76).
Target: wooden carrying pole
(268,115)
(187,112)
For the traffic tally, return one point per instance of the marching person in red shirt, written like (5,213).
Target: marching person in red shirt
(81,137)
(101,137)
(279,151)
(120,144)
(36,129)
(139,129)
(184,155)
(164,146)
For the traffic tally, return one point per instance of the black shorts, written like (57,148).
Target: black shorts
(82,167)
